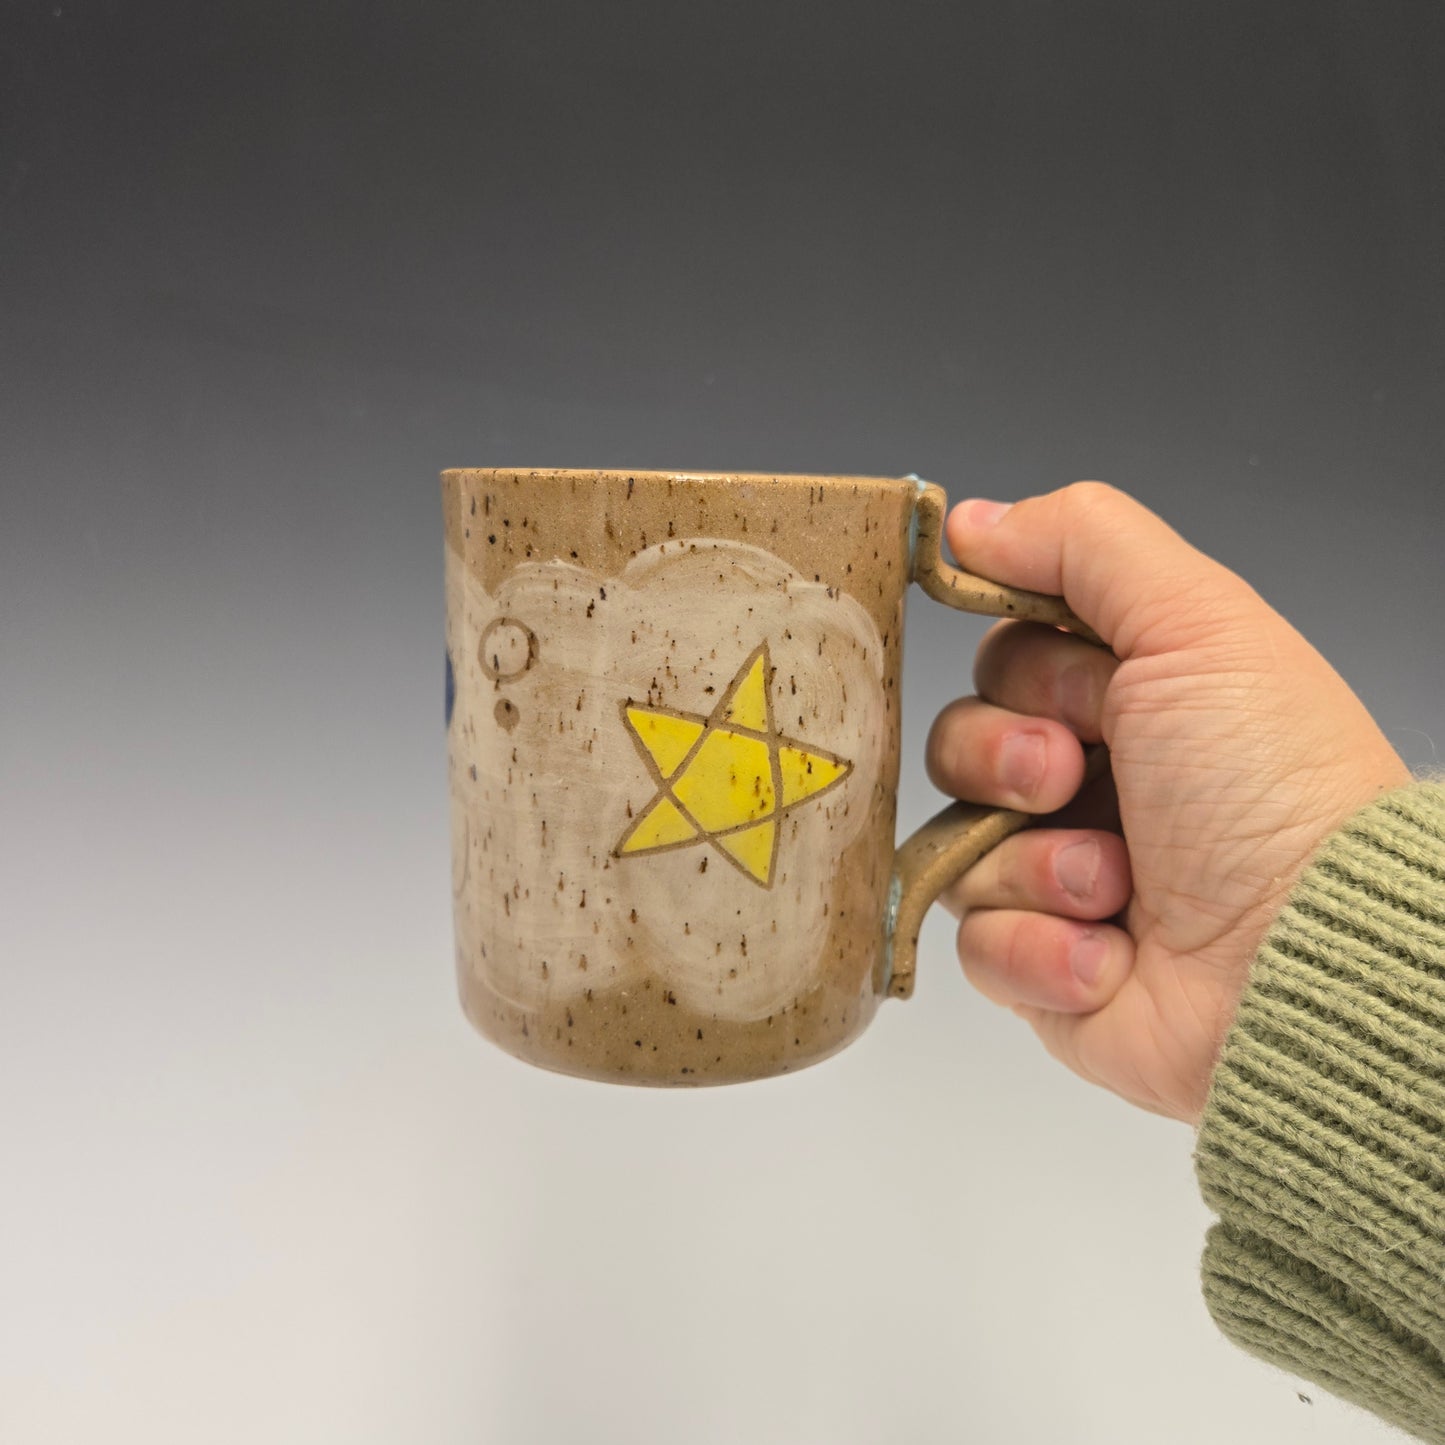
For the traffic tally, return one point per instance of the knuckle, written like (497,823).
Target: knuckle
(1093,494)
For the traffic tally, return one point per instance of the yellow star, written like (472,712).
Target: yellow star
(726,777)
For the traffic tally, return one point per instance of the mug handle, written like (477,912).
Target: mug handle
(953,840)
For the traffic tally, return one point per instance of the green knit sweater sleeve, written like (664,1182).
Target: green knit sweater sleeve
(1322,1146)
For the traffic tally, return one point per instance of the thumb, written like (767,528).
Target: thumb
(1121,568)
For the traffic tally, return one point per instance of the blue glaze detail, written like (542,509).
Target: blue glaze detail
(920,483)
(451,688)
(890,924)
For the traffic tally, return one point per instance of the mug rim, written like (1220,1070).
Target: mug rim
(780,479)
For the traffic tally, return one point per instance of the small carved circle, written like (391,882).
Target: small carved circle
(506,714)
(507,649)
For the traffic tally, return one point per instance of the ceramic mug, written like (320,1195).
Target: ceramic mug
(673,736)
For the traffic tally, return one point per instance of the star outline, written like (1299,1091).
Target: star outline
(716,721)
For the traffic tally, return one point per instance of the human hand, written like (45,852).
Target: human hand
(1123,929)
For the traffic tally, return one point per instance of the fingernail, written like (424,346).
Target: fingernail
(1087,956)
(1021,763)
(1077,867)
(985,514)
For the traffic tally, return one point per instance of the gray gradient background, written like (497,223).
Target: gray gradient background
(264,270)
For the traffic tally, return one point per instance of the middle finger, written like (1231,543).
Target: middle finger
(1042,672)
(989,755)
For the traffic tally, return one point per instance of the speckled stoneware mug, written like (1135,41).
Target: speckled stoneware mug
(673,737)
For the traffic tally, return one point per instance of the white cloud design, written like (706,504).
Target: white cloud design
(544,911)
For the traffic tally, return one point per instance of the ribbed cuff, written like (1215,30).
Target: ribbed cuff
(1322,1147)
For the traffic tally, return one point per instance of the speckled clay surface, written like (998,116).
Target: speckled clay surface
(741,631)
(673,729)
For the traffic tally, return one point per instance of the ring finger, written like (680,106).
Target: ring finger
(1068,872)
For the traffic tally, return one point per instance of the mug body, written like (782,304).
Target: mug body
(673,744)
